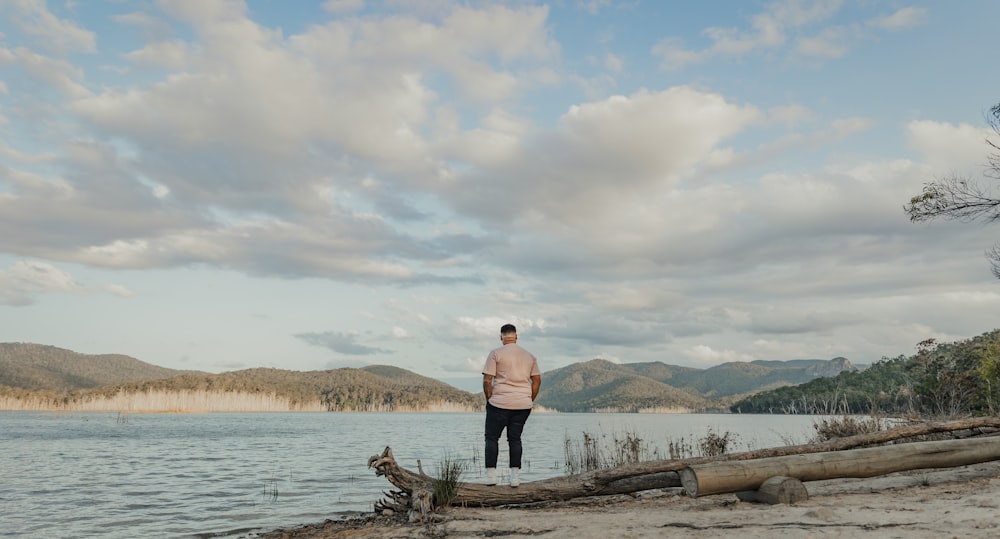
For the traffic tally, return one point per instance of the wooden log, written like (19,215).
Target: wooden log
(638,476)
(552,489)
(735,476)
(777,490)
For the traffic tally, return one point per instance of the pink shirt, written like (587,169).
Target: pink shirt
(511,368)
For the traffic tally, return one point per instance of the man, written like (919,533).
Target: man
(510,381)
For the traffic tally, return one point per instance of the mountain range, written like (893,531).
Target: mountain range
(599,384)
(28,369)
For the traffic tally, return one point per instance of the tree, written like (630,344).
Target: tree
(964,199)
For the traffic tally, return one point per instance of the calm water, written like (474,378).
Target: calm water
(228,475)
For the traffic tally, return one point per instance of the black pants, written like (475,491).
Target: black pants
(498,419)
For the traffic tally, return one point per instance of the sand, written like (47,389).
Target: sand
(956,502)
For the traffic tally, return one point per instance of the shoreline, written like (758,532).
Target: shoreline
(950,502)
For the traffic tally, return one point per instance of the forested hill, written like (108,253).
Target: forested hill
(739,377)
(34,376)
(631,387)
(942,379)
(39,367)
(599,385)
(371,388)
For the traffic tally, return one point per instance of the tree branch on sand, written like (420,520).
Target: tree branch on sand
(415,489)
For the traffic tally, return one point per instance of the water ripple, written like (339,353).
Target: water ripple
(227,475)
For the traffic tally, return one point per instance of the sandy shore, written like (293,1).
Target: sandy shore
(956,502)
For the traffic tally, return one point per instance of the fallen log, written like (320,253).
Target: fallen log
(736,476)
(628,478)
(776,490)
(478,495)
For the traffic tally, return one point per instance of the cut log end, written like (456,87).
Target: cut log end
(776,490)
(689,480)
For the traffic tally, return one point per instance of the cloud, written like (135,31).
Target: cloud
(399,333)
(22,283)
(706,355)
(950,148)
(343,6)
(154,29)
(606,159)
(490,325)
(273,154)
(119,290)
(342,343)
(780,23)
(593,6)
(903,18)
(60,75)
(50,32)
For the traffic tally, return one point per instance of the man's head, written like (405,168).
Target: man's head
(508,333)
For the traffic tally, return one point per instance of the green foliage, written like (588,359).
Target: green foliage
(448,480)
(989,370)
(599,385)
(880,387)
(941,380)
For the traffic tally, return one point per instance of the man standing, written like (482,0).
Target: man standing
(510,381)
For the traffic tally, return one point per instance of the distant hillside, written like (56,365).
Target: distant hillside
(44,377)
(941,380)
(38,367)
(601,385)
(739,378)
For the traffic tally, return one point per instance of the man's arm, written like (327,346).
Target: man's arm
(536,383)
(488,386)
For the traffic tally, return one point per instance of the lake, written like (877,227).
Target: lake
(229,475)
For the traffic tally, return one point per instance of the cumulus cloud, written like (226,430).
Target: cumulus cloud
(606,158)
(403,149)
(949,148)
(490,325)
(22,283)
(154,29)
(270,153)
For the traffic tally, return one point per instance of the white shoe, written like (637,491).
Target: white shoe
(515,477)
(491,476)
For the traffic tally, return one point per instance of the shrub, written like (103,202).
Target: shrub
(833,428)
(714,445)
(446,483)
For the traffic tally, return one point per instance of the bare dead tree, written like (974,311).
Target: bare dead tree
(964,199)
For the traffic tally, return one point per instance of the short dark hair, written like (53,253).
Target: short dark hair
(507,329)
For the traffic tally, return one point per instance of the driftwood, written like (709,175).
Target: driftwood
(736,476)
(415,488)
(775,490)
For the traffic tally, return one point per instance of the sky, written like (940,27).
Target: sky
(221,185)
